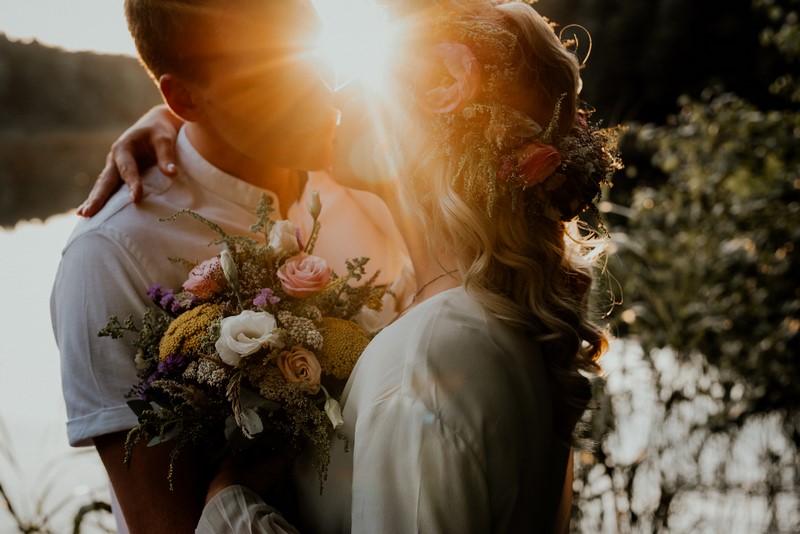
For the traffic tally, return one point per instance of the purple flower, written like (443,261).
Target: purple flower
(266,296)
(154,292)
(173,362)
(143,389)
(167,298)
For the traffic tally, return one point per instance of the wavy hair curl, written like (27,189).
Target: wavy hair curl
(528,270)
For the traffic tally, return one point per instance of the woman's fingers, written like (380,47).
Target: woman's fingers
(125,161)
(164,144)
(106,184)
(150,140)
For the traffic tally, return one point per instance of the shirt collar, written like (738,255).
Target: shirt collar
(231,188)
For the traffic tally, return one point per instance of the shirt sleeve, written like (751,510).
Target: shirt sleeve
(238,509)
(97,277)
(412,473)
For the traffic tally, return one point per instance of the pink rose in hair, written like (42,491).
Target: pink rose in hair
(463,78)
(537,162)
(205,279)
(303,275)
(300,365)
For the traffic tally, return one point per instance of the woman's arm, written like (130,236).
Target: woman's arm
(564,513)
(238,494)
(149,141)
(238,509)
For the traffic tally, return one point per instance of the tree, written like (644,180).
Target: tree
(706,267)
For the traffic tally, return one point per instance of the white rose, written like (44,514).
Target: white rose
(283,238)
(244,334)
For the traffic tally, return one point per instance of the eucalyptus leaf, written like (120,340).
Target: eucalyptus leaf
(172,433)
(139,406)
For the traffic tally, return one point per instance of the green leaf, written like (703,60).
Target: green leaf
(139,406)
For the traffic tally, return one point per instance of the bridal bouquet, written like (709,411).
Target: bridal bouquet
(255,347)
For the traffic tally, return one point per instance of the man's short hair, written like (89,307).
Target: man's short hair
(165,32)
(160,29)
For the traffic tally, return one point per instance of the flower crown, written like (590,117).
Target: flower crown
(499,151)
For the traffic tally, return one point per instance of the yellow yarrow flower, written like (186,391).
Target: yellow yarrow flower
(343,342)
(185,334)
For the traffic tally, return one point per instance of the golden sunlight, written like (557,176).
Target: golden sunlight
(356,39)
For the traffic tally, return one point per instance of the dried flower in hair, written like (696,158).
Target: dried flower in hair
(451,78)
(536,163)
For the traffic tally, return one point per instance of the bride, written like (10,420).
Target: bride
(460,414)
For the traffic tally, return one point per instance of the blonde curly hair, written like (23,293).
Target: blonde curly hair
(531,271)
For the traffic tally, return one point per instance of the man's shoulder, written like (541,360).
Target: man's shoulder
(121,219)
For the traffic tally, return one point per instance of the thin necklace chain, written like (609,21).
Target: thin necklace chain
(420,290)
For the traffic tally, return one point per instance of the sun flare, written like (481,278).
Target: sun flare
(356,39)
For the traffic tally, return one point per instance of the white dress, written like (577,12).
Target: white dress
(449,417)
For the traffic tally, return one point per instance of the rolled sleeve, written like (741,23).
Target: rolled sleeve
(96,278)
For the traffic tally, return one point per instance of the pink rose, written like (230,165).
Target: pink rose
(537,162)
(303,275)
(462,67)
(205,279)
(300,365)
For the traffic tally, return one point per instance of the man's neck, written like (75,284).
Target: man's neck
(285,183)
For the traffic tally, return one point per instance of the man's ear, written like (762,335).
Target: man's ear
(179,97)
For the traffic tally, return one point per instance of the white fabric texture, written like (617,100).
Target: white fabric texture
(449,417)
(240,510)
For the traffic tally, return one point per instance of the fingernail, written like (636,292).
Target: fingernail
(171,168)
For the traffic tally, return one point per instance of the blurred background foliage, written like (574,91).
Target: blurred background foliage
(706,259)
(698,426)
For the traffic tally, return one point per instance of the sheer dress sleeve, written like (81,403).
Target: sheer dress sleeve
(237,509)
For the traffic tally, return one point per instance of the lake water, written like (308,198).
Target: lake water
(39,471)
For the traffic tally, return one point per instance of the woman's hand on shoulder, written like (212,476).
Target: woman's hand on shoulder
(150,140)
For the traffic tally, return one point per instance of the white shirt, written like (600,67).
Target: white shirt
(111,259)
(107,266)
(449,417)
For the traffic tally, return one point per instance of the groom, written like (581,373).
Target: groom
(253,111)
